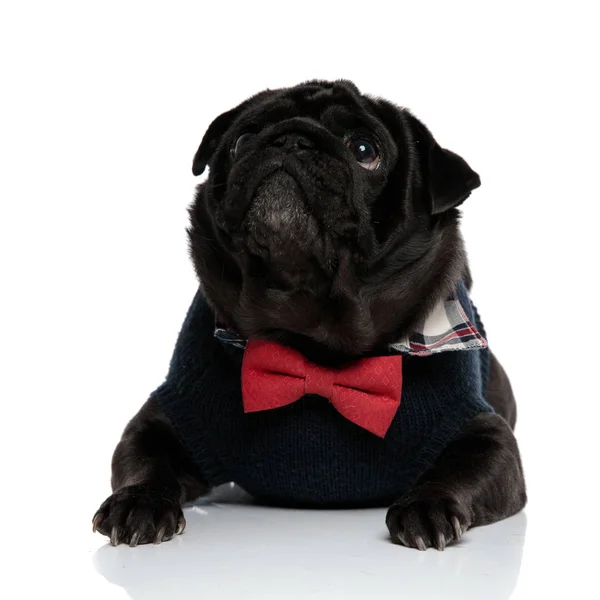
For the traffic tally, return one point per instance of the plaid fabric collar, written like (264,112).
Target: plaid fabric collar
(446,328)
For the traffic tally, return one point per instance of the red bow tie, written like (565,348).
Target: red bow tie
(367,392)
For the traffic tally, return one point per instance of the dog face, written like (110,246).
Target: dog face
(328,221)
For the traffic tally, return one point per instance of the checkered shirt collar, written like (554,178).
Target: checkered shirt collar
(446,328)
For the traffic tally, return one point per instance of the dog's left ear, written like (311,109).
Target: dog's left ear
(448,177)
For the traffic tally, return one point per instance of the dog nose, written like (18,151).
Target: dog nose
(291,141)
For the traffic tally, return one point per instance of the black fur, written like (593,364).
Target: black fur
(295,241)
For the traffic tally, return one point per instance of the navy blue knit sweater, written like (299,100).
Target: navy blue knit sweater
(307,453)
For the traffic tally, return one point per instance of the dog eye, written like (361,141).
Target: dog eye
(241,141)
(365,152)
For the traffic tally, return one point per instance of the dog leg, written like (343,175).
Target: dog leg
(152,476)
(477,480)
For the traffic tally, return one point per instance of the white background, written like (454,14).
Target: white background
(102,106)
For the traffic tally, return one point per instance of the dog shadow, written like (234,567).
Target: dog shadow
(233,547)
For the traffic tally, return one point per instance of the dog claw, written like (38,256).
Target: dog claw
(160,534)
(180,526)
(96,521)
(420,543)
(114,536)
(441,541)
(458,532)
(135,538)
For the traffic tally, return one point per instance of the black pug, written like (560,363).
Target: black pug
(326,233)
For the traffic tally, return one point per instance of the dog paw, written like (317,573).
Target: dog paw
(138,515)
(422,521)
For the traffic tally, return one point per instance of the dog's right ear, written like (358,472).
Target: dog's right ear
(217,129)
(211,139)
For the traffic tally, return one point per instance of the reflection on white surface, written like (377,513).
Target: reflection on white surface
(231,548)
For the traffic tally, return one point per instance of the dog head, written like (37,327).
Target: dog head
(328,220)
